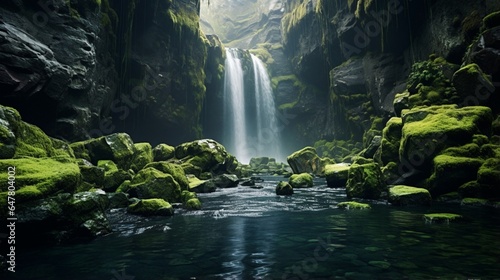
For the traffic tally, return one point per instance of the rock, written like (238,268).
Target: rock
(142,156)
(190,200)
(406,195)
(305,161)
(429,130)
(284,188)
(206,154)
(118,200)
(303,180)
(484,52)
(152,183)
(173,169)
(353,205)
(473,86)
(151,207)
(441,217)
(226,181)
(163,152)
(91,174)
(38,178)
(470,201)
(391,138)
(117,147)
(365,181)
(375,143)
(451,172)
(489,172)
(336,174)
(201,186)
(247,182)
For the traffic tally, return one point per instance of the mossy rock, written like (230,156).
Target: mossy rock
(473,85)
(107,165)
(451,172)
(226,181)
(19,139)
(303,180)
(151,207)
(489,172)
(305,160)
(336,174)
(365,181)
(284,188)
(173,169)
(441,217)
(117,147)
(471,201)
(163,152)
(406,195)
(391,138)
(190,200)
(152,183)
(201,186)
(470,150)
(207,155)
(37,178)
(353,205)
(427,131)
(92,174)
(113,179)
(142,156)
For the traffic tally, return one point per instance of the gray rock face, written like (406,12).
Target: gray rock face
(50,68)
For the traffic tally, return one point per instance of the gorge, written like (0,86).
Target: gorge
(249,139)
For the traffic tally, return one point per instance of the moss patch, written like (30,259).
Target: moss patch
(151,207)
(303,180)
(353,205)
(406,195)
(441,217)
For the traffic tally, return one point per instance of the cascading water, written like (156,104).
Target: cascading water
(250,123)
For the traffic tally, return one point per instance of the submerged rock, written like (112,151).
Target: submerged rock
(406,195)
(226,181)
(441,217)
(151,207)
(284,188)
(353,205)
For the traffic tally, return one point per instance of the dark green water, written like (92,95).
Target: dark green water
(244,233)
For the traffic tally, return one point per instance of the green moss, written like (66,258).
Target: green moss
(284,188)
(39,177)
(441,217)
(107,165)
(491,20)
(163,152)
(303,180)
(151,207)
(142,156)
(489,172)
(364,181)
(193,204)
(451,172)
(469,150)
(152,183)
(469,201)
(353,205)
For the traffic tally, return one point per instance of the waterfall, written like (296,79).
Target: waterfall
(250,123)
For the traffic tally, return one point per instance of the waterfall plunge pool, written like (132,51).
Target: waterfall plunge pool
(245,233)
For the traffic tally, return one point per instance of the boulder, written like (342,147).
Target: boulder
(473,86)
(113,177)
(303,180)
(91,174)
(450,172)
(226,181)
(151,207)
(441,217)
(152,183)
(305,161)
(190,200)
(489,172)
(429,130)
(336,174)
(365,181)
(389,145)
(117,147)
(284,188)
(207,155)
(118,200)
(406,195)
(201,186)
(173,169)
(142,156)
(163,152)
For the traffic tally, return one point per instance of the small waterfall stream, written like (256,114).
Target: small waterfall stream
(250,122)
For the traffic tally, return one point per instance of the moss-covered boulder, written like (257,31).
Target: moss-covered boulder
(391,138)
(142,156)
(473,86)
(489,172)
(302,180)
(152,183)
(207,155)
(472,201)
(151,207)
(190,200)
(173,169)
(429,130)
(117,147)
(20,139)
(305,161)
(37,178)
(92,175)
(226,181)
(441,217)
(284,188)
(201,186)
(113,177)
(450,172)
(353,205)
(336,174)
(365,181)
(163,152)
(406,195)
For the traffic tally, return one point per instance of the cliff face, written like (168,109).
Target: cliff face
(88,68)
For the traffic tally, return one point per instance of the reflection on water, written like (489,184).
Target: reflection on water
(245,233)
